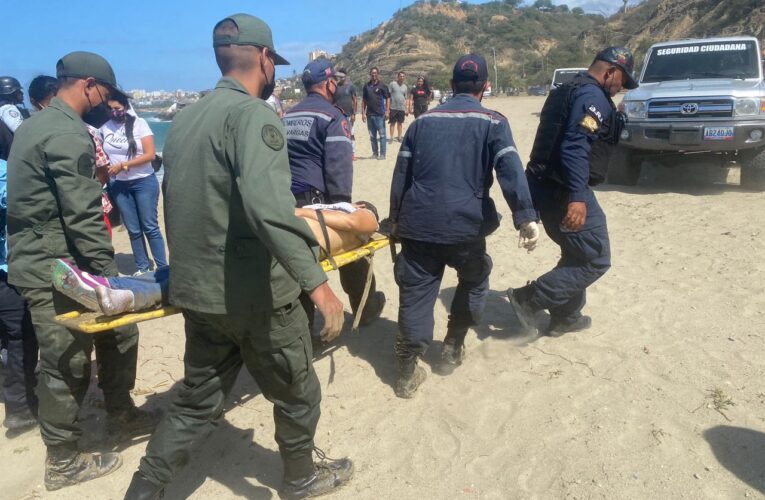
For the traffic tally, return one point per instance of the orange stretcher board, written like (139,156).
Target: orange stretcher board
(93,322)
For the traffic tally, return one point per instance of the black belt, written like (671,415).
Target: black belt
(310,197)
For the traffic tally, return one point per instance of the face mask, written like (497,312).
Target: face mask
(119,115)
(268,88)
(98,115)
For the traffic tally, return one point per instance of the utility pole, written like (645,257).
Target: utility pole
(496,78)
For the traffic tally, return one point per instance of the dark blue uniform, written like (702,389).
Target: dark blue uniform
(321,161)
(442,212)
(320,151)
(585,253)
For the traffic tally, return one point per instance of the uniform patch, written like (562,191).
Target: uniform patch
(595,112)
(272,137)
(86,166)
(589,123)
(298,128)
(13,113)
(346,128)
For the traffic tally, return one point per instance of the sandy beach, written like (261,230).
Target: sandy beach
(664,397)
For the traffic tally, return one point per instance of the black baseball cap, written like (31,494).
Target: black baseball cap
(470,68)
(83,64)
(621,57)
(252,31)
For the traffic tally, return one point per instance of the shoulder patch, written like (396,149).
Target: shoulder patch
(346,128)
(86,166)
(593,111)
(589,123)
(13,113)
(272,137)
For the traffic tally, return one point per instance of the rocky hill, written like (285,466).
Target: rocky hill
(529,42)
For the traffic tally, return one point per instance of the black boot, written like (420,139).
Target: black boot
(131,422)
(561,326)
(142,489)
(20,421)
(65,465)
(452,351)
(327,476)
(410,377)
(524,310)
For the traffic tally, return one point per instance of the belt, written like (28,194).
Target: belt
(310,197)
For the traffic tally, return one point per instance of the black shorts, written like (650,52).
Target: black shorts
(396,116)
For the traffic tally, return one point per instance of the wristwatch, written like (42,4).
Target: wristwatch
(125,167)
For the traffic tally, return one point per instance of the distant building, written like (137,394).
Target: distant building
(318,53)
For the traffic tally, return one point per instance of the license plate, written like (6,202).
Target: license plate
(718,133)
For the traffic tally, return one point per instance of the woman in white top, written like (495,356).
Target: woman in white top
(129,142)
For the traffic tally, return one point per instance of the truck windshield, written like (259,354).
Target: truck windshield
(562,76)
(734,59)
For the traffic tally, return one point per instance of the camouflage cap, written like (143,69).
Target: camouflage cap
(252,31)
(83,64)
(621,57)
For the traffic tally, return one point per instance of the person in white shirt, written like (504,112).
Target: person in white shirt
(129,142)
(276,103)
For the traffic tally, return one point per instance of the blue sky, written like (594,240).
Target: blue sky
(166,44)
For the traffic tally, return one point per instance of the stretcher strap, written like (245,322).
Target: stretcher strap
(367,286)
(325,233)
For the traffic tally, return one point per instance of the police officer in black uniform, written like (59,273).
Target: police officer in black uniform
(579,126)
(441,211)
(321,162)
(12,112)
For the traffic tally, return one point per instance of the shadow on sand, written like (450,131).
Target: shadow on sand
(741,451)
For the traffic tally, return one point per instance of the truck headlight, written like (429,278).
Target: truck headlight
(635,109)
(747,107)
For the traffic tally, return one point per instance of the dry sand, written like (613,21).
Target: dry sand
(626,410)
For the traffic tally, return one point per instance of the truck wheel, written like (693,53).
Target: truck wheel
(753,171)
(624,167)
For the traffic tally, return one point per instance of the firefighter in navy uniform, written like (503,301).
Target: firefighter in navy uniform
(579,126)
(321,162)
(441,211)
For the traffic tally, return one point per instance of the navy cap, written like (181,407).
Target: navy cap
(317,71)
(470,68)
(621,57)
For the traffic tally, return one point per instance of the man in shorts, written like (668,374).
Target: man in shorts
(399,93)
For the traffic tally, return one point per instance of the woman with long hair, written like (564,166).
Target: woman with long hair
(129,142)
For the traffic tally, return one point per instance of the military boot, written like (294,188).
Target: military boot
(131,422)
(142,489)
(65,465)
(524,310)
(20,421)
(561,326)
(327,476)
(410,377)
(452,351)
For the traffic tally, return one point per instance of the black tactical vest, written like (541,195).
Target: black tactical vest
(545,155)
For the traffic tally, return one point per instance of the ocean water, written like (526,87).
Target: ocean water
(160,128)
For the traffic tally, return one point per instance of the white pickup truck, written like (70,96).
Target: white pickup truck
(565,75)
(696,97)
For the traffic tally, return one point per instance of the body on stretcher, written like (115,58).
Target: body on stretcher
(94,322)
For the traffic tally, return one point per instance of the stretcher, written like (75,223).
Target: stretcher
(94,322)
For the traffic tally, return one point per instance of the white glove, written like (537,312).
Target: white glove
(528,235)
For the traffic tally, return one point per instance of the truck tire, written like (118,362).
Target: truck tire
(753,171)
(624,167)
